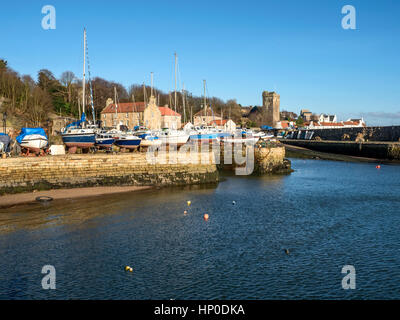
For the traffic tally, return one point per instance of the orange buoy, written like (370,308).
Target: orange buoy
(206,216)
(378,166)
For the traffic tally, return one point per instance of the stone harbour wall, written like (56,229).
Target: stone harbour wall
(73,171)
(377,150)
(268,159)
(389,133)
(271,160)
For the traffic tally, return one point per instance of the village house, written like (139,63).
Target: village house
(350,123)
(205,117)
(139,114)
(226,125)
(327,118)
(285,125)
(306,115)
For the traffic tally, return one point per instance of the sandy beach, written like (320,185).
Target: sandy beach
(58,194)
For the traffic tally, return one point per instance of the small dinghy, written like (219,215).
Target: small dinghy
(33,140)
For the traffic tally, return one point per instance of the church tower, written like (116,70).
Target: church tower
(271,105)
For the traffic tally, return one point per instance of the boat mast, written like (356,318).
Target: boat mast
(151,92)
(183,100)
(84,70)
(116,107)
(134,109)
(205,99)
(175,80)
(144,95)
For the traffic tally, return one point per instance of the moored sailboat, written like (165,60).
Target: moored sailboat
(78,134)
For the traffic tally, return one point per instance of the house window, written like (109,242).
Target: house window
(104,116)
(127,115)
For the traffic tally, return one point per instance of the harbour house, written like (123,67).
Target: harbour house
(133,114)
(205,116)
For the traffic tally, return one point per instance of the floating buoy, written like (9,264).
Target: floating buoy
(127,268)
(233,202)
(189,203)
(287,251)
(130,270)
(206,216)
(378,166)
(185,212)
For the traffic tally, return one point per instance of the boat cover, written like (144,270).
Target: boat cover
(28,131)
(5,141)
(77,123)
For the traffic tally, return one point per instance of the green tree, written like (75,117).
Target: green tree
(300,122)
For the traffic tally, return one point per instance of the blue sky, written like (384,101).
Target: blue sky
(297,48)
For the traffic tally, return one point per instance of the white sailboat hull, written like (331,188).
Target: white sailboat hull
(150,143)
(240,140)
(34,142)
(175,140)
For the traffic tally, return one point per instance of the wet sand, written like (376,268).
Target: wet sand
(58,194)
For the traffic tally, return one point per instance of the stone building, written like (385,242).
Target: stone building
(269,113)
(306,115)
(227,125)
(57,123)
(138,114)
(170,119)
(205,117)
(129,114)
(152,115)
(271,106)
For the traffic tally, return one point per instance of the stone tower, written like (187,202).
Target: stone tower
(271,112)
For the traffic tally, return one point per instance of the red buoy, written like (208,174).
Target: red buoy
(378,166)
(206,216)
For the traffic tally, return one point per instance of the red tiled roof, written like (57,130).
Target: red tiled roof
(125,107)
(351,123)
(165,111)
(137,107)
(284,124)
(219,122)
(331,124)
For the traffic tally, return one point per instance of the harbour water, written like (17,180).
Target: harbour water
(328,214)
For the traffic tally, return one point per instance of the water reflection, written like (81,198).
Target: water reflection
(80,211)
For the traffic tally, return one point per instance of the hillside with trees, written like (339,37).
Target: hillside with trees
(30,102)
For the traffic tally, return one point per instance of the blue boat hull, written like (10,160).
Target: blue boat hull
(105,143)
(128,144)
(79,140)
(202,138)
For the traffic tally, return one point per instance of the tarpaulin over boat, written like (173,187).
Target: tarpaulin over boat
(264,127)
(4,142)
(28,131)
(77,123)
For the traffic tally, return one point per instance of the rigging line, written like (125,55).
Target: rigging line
(90,82)
(209,102)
